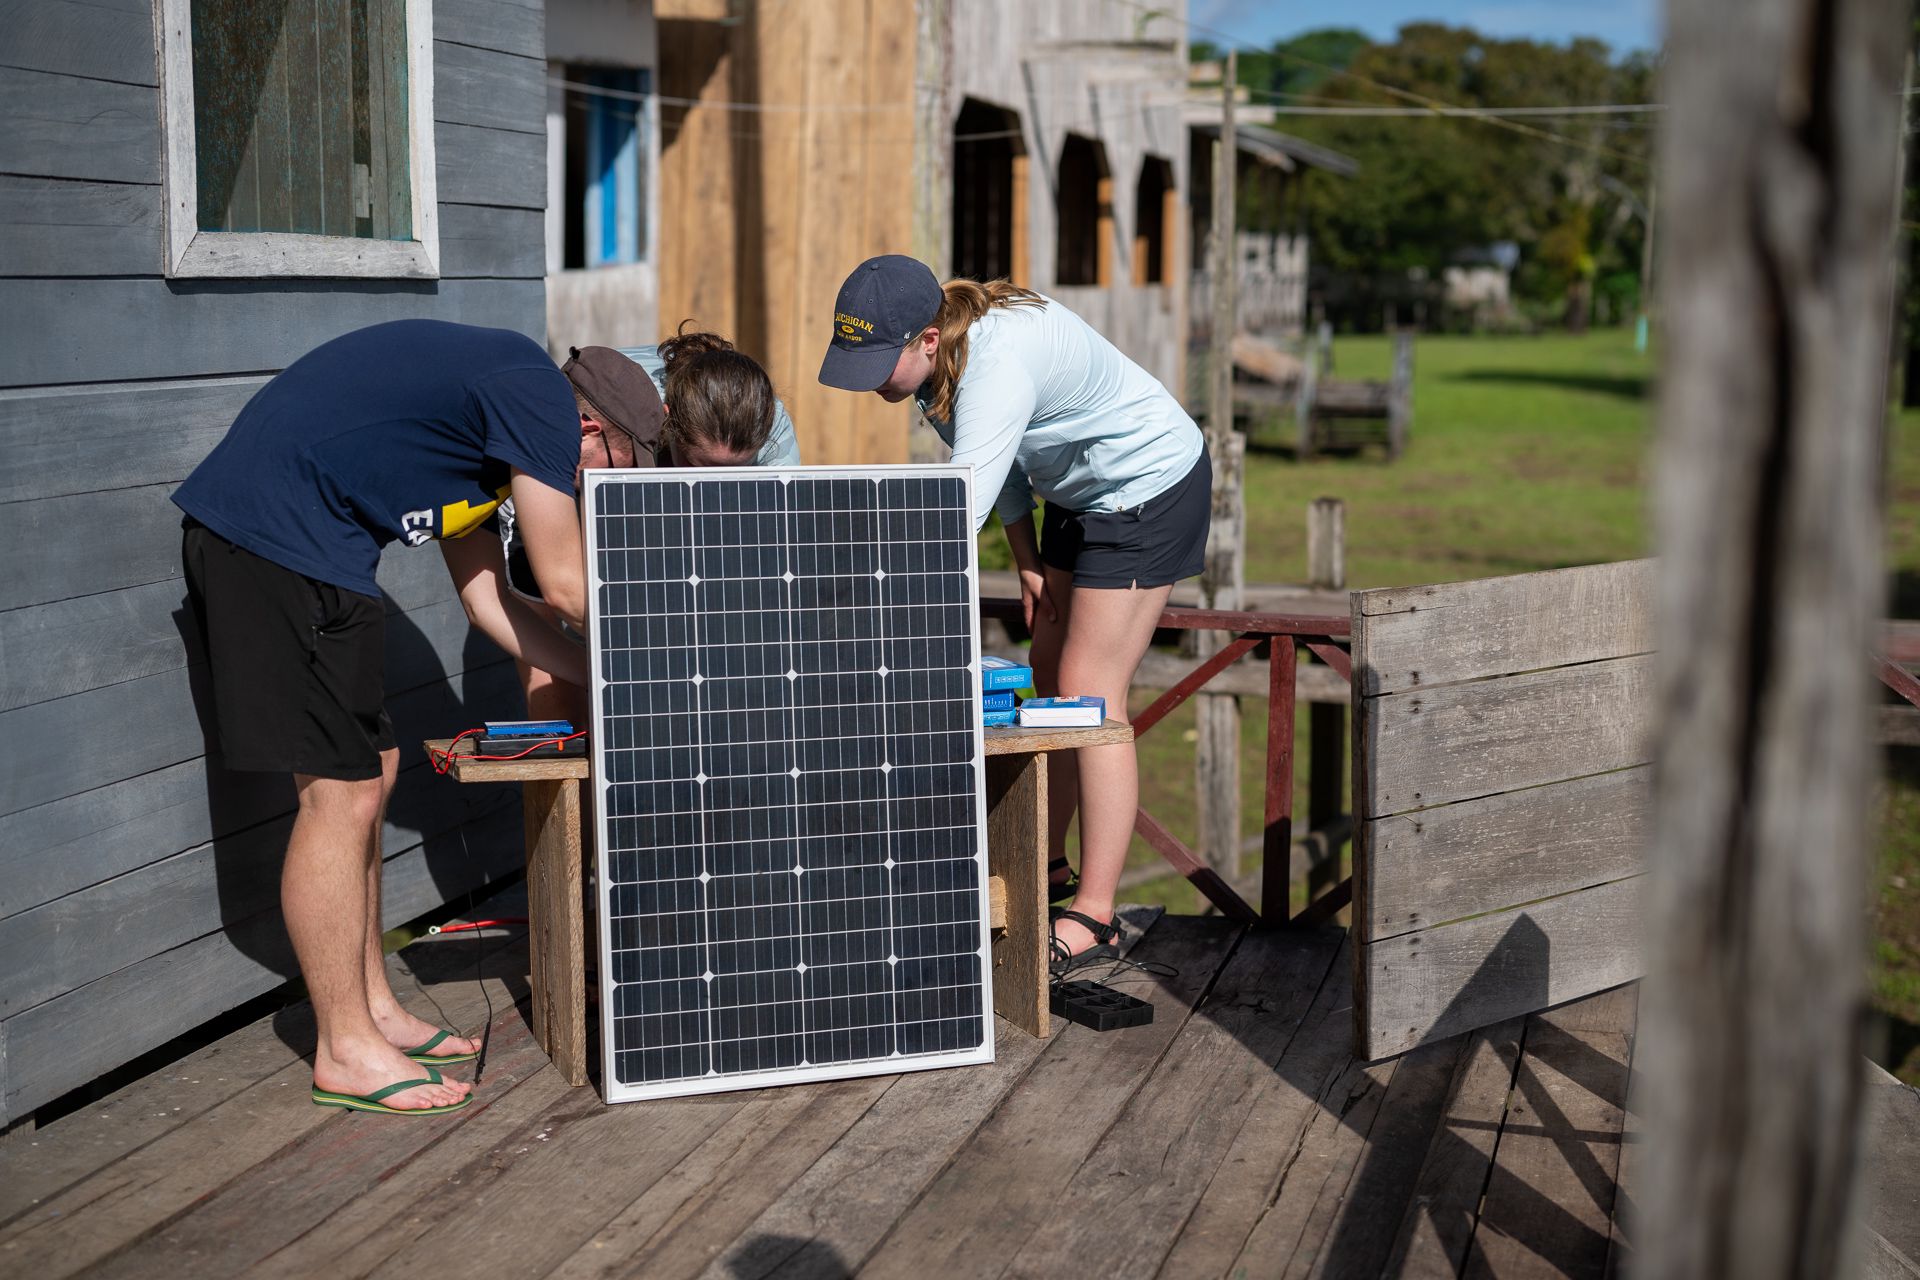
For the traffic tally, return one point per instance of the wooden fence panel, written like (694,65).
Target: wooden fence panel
(1426,986)
(1521,623)
(1437,746)
(1437,865)
(1501,733)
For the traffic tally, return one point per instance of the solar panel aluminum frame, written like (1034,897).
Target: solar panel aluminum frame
(613,1089)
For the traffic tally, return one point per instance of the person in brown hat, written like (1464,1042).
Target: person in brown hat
(416,432)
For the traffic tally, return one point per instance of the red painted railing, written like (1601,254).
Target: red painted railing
(1284,635)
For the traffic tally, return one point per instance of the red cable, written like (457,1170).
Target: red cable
(476,924)
(443,760)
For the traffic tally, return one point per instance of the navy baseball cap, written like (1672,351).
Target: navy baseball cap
(886,303)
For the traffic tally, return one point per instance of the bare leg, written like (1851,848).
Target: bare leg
(1063,779)
(323,892)
(551,699)
(1109,634)
(400,1029)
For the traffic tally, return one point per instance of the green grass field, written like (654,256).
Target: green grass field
(1526,454)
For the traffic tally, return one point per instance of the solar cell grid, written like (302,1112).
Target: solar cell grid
(786,737)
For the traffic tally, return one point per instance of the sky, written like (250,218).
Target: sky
(1623,24)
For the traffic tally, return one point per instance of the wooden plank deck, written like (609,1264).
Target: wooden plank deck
(1235,1135)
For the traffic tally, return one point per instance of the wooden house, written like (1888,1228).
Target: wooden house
(1040,142)
(199,191)
(164,249)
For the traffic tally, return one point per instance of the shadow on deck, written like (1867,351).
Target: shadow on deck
(1234,1135)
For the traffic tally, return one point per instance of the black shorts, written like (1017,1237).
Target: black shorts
(295,665)
(1162,540)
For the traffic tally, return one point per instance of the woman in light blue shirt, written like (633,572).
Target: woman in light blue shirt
(1040,404)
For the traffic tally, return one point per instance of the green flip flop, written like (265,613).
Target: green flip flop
(371,1101)
(420,1052)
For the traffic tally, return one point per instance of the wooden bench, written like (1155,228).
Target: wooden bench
(1501,737)
(1343,414)
(560,878)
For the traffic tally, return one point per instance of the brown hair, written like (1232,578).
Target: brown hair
(715,395)
(961,303)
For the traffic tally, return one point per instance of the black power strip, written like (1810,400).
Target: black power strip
(1102,1008)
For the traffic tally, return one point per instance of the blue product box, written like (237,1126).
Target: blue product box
(992,718)
(1003,701)
(1004,673)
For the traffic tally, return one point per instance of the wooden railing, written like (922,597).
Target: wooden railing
(1283,635)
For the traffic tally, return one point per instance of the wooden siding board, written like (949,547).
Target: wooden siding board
(61,227)
(134,433)
(1437,865)
(482,241)
(57,126)
(62,945)
(488,88)
(1433,983)
(491,166)
(62,847)
(96,39)
(1429,635)
(77,331)
(510,26)
(93,642)
(86,543)
(86,744)
(1436,746)
(67,1041)
(71,646)
(88,642)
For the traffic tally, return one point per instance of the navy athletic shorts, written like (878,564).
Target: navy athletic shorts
(296,665)
(1162,540)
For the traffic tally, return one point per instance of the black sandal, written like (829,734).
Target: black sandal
(1061,962)
(1061,890)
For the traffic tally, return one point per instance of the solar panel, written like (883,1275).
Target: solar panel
(786,743)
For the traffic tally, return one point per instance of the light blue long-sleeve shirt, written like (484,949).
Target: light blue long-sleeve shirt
(1048,406)
(782,448)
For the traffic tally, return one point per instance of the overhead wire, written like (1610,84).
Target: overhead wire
(1408,95)
(1425,106)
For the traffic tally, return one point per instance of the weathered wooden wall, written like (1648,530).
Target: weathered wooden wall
(763,212)
(1502,730)
(138,887)
(1113,73)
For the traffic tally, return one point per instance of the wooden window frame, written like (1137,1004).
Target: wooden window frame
(192,253)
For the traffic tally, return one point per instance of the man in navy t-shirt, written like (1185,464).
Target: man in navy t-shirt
(413,431)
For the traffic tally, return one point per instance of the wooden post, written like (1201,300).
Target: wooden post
(1400,393)
(1326,721)
(1303,402)
(1217,716)
(1768,509)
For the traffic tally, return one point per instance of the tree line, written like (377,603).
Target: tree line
(1570,195)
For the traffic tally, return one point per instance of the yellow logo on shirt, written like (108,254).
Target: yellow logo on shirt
(458,519)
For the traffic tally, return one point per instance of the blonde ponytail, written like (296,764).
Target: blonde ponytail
(961,303)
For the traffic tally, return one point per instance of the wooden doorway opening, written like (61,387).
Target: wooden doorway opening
(989,193)
(1085,204)
(1154,212)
